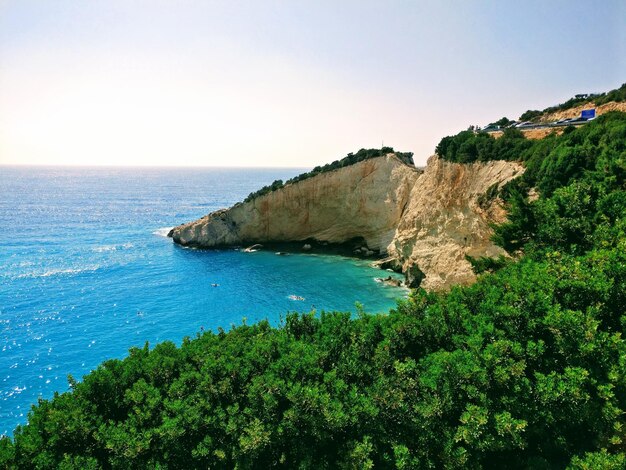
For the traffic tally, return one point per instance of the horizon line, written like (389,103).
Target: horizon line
(95,165)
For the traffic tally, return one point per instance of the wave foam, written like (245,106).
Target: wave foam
(59,272)
(106,248)
(162,232)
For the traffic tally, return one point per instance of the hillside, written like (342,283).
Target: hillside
(575,111)
(536,124)
(523,369)
(614,100)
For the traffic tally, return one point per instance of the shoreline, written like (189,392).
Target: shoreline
(355,248)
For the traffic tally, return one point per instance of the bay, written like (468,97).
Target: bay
(86,271)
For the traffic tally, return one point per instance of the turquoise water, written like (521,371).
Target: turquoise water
(86,271)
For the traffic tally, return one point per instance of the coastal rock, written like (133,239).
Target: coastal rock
(424,221)
(389,263)
(253,248)
(414,275)
(361,200)
(446,220)
(390,281)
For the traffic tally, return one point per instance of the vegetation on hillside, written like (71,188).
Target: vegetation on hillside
(618,95)
(532,115)
(470,146)
(350,159)
(572,152)
(524,369)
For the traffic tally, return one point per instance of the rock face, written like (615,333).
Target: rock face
(362,200)
(448,217)
(424,221)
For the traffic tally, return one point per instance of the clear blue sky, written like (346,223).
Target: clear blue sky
(277,83)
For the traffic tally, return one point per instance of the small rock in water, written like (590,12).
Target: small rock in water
(390,281)
(253,248)
(306,247)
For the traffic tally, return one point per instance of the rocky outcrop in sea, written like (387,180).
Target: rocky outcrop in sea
(422,222)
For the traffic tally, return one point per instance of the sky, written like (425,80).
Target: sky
(285,83)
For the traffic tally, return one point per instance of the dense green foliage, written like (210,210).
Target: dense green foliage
(580,177)
(350,159)
(618,95)
(530,115)
(502,122)
(527,368)
(524,369)
(573,151)
(470,146)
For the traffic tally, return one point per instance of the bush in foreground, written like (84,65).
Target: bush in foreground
(527,368)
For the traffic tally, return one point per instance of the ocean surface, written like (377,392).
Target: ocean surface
(86,271)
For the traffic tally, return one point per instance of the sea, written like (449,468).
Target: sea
(86,271)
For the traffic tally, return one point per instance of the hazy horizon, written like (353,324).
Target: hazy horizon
(284,84)
(147,166)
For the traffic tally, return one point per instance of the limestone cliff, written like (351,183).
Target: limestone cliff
(362,200)
(424,221)
(448,217)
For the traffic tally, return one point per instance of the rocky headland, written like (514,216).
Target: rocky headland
(422,222)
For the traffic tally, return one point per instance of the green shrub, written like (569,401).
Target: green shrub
(524,369)
(618,95)
(530,115)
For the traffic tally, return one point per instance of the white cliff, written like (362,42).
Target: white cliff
(447,219)
(361,200)
(424,221)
